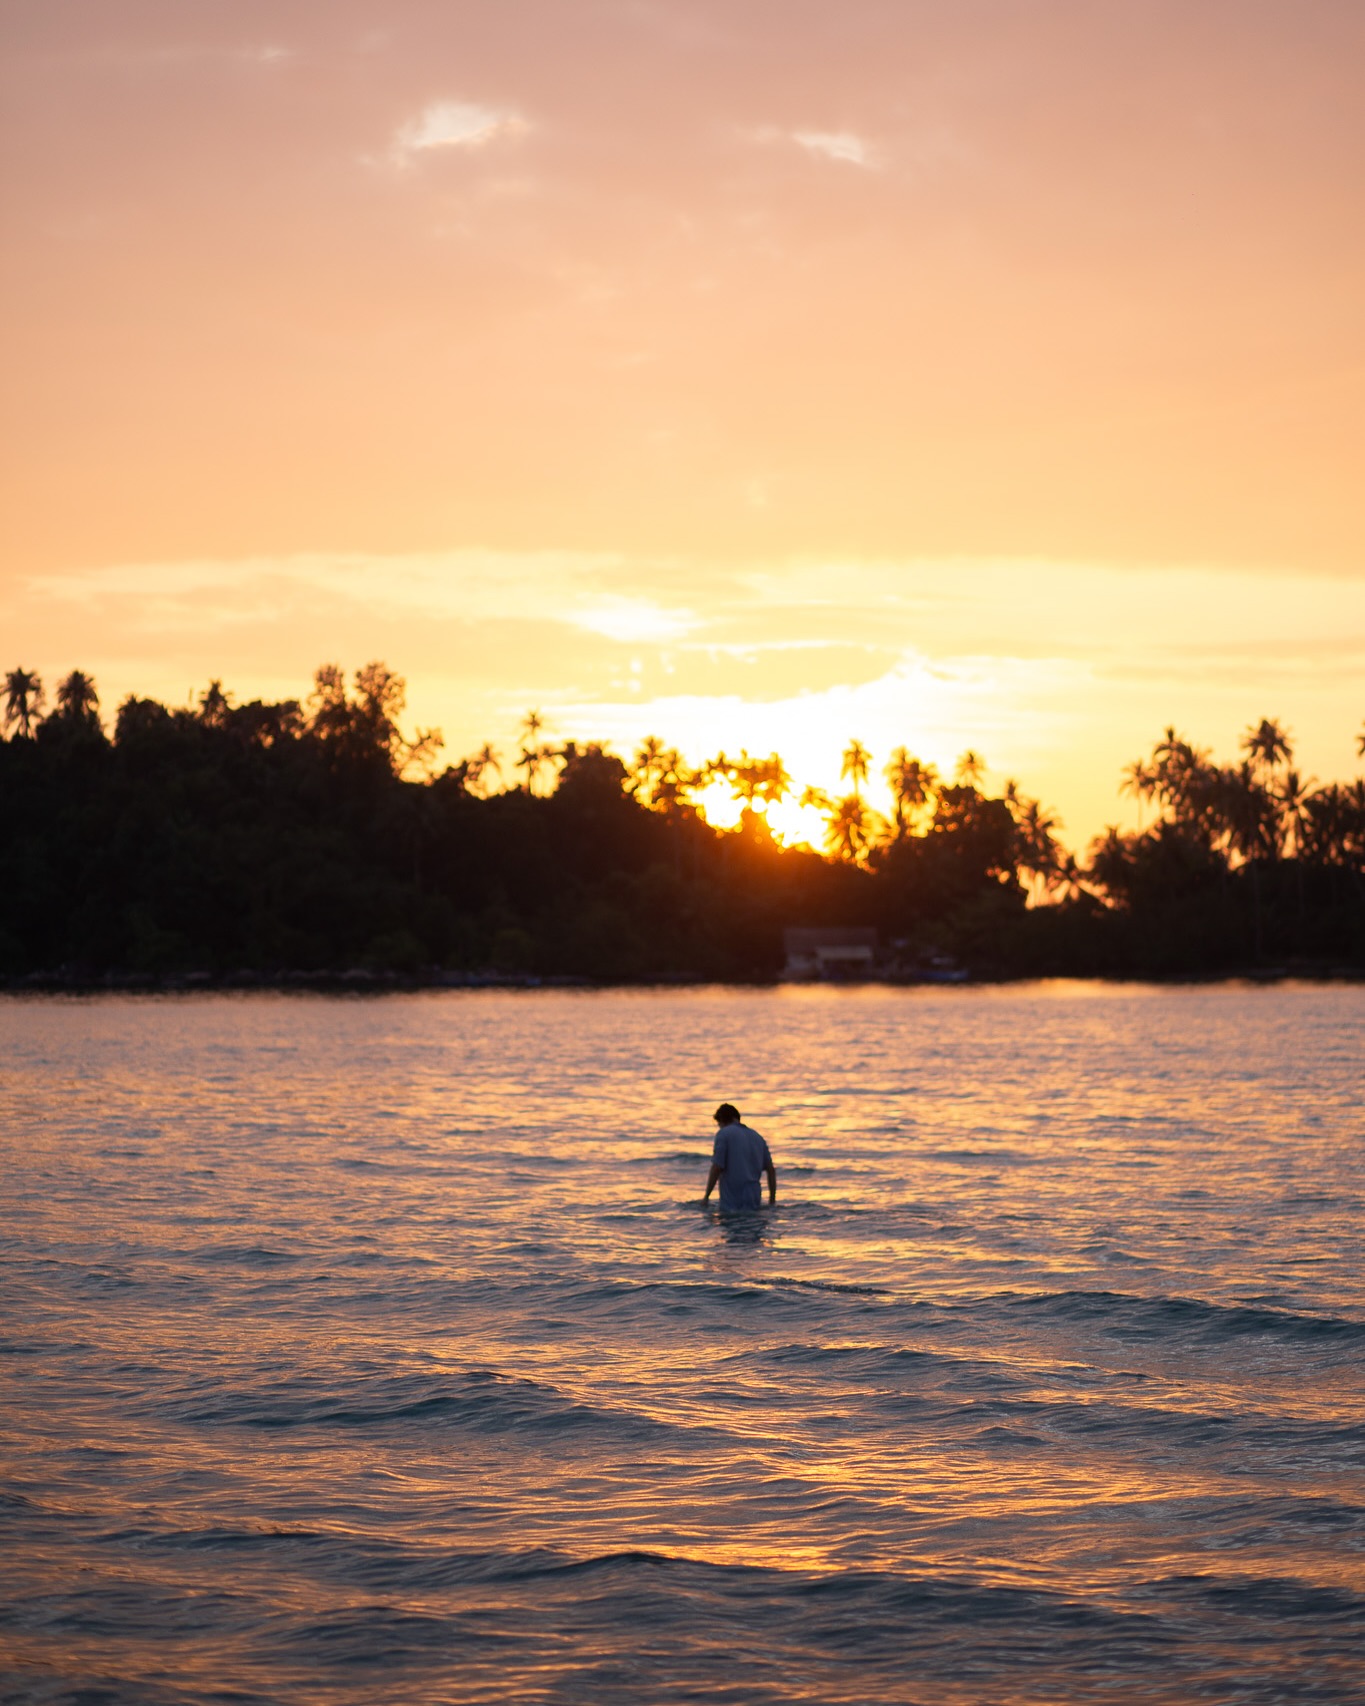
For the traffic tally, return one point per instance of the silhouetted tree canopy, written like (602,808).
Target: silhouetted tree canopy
(312,838)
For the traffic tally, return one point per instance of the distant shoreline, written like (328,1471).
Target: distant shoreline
(361,981)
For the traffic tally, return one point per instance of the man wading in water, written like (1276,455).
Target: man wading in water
(737,1161)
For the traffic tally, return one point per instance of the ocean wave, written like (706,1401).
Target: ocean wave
(987,1400)
(244,1255)
(674,1298)
(1272,1597)
(1159,1317)
(100,1280)
(481,1400)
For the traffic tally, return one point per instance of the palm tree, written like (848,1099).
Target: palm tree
(214,707)
(745,776)
(679,779)
(971,767)
(673,780)
(855,764)
(1245,813)
(77,700)
(1111,862)
(1294,824)
(1070,878)
(1292,800)
(912,785)
(1267,745)
(1140,780)
(380,697)
(1183,782)
(645,773)
(23,701)
(361,729)
(1335,825)
(1360,742)
(1323,816)
(850,829)
(477,768)
(561,755)
(534,755)
(1039,853)
(751,779)
(329,708)
(419,753)
(774,783)
(533,760)
(1250,822)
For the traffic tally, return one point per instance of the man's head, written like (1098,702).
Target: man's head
(726,1114)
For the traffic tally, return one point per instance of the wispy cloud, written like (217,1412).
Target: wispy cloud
(843,147)
(471,586)
(840,145)
(454,124)
(634,620)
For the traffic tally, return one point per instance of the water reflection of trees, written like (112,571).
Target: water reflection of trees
(317,835)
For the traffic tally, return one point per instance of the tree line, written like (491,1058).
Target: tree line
(315,837)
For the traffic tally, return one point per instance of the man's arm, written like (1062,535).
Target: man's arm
(711,1178)
(771,1171)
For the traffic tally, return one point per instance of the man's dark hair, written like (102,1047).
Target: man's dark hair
(727,1112)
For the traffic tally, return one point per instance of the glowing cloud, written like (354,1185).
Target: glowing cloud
(635,620)
(841,145)
(454,124)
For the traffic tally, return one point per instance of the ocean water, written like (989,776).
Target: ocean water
(378,1349)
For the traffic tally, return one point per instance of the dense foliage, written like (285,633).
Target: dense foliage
(288,838)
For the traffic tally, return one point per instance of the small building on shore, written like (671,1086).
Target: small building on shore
(829,954)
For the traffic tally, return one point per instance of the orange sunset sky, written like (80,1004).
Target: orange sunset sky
(750,372)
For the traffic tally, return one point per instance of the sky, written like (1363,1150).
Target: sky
(753,373)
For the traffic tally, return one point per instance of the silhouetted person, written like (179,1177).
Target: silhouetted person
(738,1161)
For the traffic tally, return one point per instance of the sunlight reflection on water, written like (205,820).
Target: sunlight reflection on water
(377,1347)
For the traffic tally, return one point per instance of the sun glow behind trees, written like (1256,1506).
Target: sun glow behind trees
(1052,672)
(1257,810)
(283,838)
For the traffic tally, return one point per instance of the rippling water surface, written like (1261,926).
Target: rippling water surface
(378,1349)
